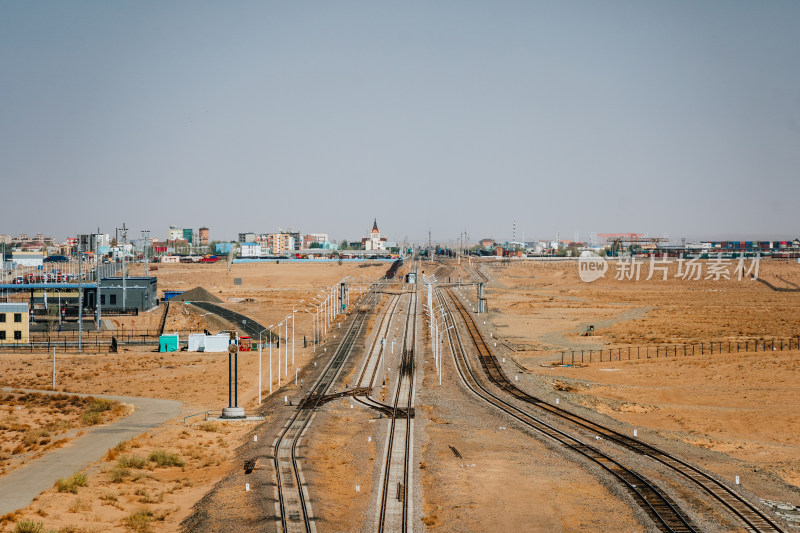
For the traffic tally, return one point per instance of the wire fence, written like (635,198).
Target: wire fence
(90,332)
(87,346)
(629,353)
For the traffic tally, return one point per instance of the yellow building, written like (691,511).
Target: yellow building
(14,323)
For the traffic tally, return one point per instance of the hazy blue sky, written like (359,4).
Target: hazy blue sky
(678,118)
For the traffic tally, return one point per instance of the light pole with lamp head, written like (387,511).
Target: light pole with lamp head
(293,312)
(259,364)
(327,308)
(270,358)
(318,312)
(279,354)
(286,350)
(314,332)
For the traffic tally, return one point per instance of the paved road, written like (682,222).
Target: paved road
(20,487)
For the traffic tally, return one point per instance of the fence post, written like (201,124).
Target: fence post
(562,358)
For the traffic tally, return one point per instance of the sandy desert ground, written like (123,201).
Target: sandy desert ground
(731,413)
(146,496)
(739,406)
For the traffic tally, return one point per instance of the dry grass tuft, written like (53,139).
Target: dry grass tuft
(29,526)
(164,458)
(210,426)
(131,461)
(72,483)
(139,521)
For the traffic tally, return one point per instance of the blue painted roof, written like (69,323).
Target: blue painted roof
(13,307)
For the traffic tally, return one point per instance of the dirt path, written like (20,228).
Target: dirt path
(20,487)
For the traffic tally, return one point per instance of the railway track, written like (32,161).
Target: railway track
(752,518)
(394,496)
(394,512)
(664,513)
(292,497)
(372,363)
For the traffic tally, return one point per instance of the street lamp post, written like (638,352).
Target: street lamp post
(313,331)
(259,365)
(279,354)
(270,359)
(326,311)
(321,321)
(286,350)
(293,312)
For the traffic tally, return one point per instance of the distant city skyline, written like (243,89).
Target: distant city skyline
(670,119)
(473,239)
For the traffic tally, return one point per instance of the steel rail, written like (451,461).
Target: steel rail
(657,505)
(752,517)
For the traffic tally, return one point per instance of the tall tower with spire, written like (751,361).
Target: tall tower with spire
(374,241)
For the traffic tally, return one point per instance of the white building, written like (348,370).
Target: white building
(28,259)
(374,241)
(174,233)
(250,249)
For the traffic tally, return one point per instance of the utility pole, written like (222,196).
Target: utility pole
(124,285)
(97,277)
(80,299)
(145,238)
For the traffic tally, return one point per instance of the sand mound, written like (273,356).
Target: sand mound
(198,294)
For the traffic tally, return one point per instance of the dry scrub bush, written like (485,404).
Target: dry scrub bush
(109,496)
(209,426)
(29,526)
(139,521)
(119,474)
(132,461)
(114,452)
(78,505)
(72,483)
(164,458)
